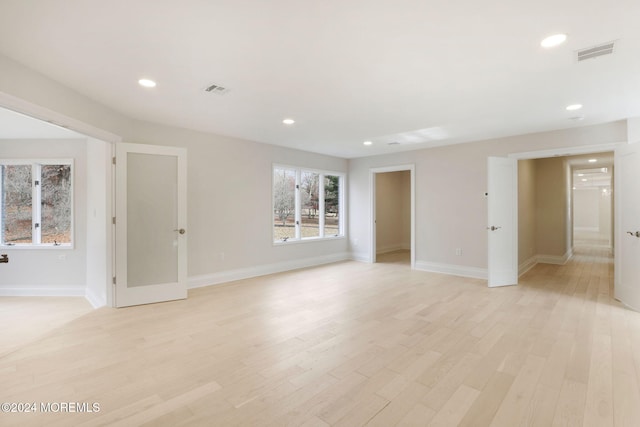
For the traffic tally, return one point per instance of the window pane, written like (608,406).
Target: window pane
(56,204)
(16,204)
(309,184)
(331,205)
(284,204)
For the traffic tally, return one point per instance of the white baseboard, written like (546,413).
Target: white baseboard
(41,291)
(527,265)
(392,248)
(360,257)
(454,270)
(555,259)
(261,270)
(96,301)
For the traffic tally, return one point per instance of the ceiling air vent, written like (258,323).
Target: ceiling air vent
(594,52)
(217,89)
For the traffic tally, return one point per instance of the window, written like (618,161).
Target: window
(307,204)
(36,203)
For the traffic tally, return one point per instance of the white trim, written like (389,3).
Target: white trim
(453,270)
(262,270)
(554,259)
(360,257)
(391,248)
(372,209)
(527,265)
(95,300)
(566,151)
(342,231)
(41,113)
(41,291)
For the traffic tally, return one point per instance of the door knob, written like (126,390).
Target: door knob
(181,230)
(493,228)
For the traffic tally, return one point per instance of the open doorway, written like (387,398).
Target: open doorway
(392,213)
(564,202)
(592,193)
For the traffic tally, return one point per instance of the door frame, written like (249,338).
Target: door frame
(372,208)
(38,112)
(562,152)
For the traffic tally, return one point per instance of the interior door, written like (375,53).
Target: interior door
(627,225)
(503,221)
(151,240)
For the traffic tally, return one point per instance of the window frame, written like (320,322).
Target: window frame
(321,205)
(36,204)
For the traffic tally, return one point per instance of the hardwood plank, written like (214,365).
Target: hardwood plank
(342,344)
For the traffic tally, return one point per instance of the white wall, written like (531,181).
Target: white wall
(586,215)
(98,222)
(52,271)
(229,185)
(234,217)
(229,203)
(633,129)
(451,211)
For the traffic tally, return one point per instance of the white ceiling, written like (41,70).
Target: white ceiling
(347,71)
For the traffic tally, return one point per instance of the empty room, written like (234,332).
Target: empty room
(218,213)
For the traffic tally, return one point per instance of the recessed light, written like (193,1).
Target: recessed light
(584,180)
(288,121)
(553,41)
(574,107)
(146,83)
(580,174)
(593,160)
(367,143)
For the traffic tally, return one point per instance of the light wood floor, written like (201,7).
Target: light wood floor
(347,344)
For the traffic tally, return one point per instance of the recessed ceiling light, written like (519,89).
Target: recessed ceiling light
(580,174)
(593,160)
(553,40)
(288,121)
(584,179)
(574,107)
(367,143)
(146,83)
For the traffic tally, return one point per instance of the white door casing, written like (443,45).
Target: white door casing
(503,221)
(627,225)
(151,216)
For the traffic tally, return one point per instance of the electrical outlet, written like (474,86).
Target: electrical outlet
(221,256)
(62,257)
(459,251)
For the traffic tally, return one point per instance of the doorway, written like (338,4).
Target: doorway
(392,215)
(564,202)
(592,195)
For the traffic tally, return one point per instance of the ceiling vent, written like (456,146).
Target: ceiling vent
(217,89)
(596,51)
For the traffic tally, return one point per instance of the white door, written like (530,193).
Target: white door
(151,240)
(627,225)
(503,221)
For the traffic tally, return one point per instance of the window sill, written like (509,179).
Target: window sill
(36,247)
(307,240)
